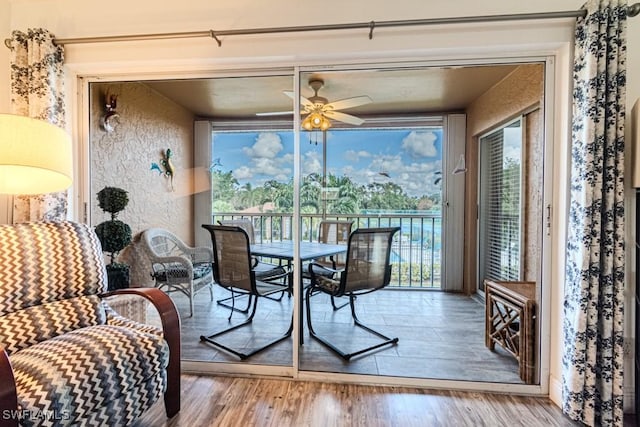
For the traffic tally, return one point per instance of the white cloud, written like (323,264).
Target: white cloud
(420,144)
(267,145)
(272,167)
(387,164)
(266,160)
(415,178)
(263,159)
(243,172)
(311,163)
(261,169)
(418,178)
(354,156)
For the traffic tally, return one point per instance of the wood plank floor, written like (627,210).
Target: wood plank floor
(244,402)
(441,336)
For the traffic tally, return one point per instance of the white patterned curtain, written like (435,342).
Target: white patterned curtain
(37,88)
(594,282)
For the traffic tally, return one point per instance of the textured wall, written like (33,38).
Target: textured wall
(149,124)
(518,93)
(535,212)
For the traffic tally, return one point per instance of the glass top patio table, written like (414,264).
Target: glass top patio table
(308,250)
(284,250)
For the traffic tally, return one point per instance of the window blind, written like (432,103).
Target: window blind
(500,213)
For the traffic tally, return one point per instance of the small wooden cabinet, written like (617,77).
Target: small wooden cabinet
(511,310)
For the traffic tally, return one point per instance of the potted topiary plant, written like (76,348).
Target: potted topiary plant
(114,234)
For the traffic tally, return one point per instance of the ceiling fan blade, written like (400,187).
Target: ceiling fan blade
(343,117)
(275,113)
(304,101)
(343,104)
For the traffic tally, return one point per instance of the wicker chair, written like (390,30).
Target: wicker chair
(66,358)
(335,232)
(232,269)
(367,269)
(176,266)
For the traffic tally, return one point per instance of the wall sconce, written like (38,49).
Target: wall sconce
(111,118)
(35,156)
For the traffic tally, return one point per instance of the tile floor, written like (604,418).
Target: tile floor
(441,335)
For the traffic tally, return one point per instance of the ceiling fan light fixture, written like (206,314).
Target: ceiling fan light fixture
(320,112)
(306,123)
(316,120)
(324,124)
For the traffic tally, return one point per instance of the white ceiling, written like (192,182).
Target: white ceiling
(398,91)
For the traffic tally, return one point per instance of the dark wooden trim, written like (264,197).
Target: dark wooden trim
(8,393)
(171,329)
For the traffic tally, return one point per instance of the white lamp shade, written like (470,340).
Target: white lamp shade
(35,156)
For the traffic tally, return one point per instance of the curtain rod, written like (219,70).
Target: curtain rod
(632,10)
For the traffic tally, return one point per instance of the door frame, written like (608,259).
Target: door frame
(80,84)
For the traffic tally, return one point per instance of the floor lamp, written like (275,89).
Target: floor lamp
(35,156)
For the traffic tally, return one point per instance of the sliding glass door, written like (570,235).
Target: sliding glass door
(376,146)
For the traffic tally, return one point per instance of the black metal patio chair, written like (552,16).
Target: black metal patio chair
(233,270)
(264,271)
(335,232)
(367,269)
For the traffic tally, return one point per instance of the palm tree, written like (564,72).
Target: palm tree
(282,196)
(347,201)
(310,193)
(246,196)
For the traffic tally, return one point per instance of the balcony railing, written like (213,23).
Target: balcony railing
(416,250)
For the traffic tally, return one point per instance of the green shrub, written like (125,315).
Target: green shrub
(114,234)
(112,200)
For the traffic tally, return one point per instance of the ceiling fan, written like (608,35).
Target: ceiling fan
(320,111)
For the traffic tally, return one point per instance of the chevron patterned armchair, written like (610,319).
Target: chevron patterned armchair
(66,358)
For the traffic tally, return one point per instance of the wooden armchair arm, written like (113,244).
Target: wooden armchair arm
(8,393)
(171,331)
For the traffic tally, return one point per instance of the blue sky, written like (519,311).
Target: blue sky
(409,156)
